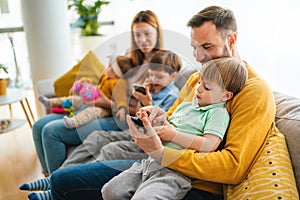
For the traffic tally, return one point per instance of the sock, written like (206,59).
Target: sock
(40,196)
(41,184)
(69,122)
(44,100)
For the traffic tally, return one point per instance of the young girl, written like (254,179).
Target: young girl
(111,84)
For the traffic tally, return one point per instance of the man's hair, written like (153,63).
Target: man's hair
(165,60)
(125,63)
(223,19)
(228,72)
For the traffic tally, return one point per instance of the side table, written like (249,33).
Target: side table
(14,95)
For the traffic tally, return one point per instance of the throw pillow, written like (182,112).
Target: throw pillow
(271,177)
(89,66)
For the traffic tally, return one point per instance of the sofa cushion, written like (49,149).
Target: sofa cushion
(288,122)
(89,66)
(271,176)
(183,75)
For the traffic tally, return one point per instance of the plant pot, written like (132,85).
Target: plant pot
(89,25)
(2,86)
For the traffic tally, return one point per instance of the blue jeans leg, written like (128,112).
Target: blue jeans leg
(37,136)
(51,137)
(55,137)
(84,181)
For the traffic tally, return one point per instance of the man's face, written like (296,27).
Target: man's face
(208,43)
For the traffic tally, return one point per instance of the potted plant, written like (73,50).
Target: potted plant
(3,79)
(88,11)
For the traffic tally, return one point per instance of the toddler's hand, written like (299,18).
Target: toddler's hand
(166,132)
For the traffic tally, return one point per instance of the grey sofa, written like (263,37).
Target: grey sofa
(287,117)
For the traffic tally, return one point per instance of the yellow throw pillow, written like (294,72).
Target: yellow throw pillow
(271,177)
(89,66)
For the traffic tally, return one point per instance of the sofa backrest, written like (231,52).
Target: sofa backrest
(287,120)
(183,76)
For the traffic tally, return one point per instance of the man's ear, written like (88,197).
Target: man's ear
(228,95)
(232,40)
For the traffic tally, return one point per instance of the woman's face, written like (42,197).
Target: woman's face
(145,36)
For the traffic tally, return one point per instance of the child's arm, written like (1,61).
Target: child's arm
(101,101)
(206,143)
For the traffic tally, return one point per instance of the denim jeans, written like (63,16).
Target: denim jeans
(84,181)
(51,137)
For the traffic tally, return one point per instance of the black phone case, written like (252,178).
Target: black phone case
(137,121)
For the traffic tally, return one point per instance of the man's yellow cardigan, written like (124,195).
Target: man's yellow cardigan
(252,114)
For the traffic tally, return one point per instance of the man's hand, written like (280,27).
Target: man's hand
(149,141)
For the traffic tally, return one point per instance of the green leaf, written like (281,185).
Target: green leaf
(4,68)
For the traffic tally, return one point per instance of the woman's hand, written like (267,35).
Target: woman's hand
(121,113)
(149,141)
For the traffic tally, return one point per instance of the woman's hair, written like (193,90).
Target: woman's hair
(150,18)
(223,19)
(125,63)
(165,60)
(229,73)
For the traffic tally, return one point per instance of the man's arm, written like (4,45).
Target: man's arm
(252,114)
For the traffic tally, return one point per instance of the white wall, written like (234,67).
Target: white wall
(268,32)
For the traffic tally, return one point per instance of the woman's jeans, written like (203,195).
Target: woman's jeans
(51,137)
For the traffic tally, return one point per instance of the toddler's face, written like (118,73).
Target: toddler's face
(209,92)
(159,79)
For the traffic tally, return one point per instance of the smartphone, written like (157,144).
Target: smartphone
(139,88)
(137,121)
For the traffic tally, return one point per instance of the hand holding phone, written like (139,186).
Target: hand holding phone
(137,121)
(139,88)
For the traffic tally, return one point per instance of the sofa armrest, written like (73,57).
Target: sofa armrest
(288,122)
(45,87)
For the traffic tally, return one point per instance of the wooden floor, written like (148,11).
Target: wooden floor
(18,160)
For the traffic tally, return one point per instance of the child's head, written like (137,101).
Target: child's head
(163,68)
(119,66)
(220,80)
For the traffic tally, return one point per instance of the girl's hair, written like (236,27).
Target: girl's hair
(223,19)
(229,73)
(125,63)
(150,18)
(165,60)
